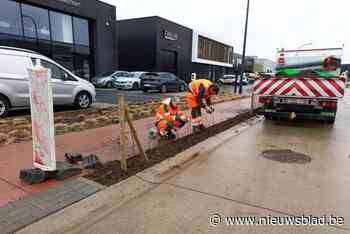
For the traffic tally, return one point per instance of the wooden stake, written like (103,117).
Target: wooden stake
(252,102)
(123,133)
(134,134)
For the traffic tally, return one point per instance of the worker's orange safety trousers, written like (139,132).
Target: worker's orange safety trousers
(194,108)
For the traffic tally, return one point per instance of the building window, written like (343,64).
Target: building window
(81,31)
(215,51)
(35,18)
(61,26)
(10,18)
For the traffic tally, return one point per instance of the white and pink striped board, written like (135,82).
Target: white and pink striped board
(300,87)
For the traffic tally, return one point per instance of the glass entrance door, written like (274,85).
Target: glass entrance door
(82,66)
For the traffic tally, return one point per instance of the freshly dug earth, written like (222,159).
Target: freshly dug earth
(18,129)
(111,173)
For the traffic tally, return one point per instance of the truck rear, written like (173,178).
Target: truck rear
(307,85)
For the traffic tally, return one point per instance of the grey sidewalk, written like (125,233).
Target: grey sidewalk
(231,180)
(21,213)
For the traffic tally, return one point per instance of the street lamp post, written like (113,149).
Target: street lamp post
(236,70)
(35,28)
(244,47)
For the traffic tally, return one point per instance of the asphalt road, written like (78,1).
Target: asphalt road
(109,95)
(235,180)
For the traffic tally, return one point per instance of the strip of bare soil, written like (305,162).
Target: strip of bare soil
(111,173)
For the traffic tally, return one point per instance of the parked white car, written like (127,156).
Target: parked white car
(230,79)
(67,88)
(131,82)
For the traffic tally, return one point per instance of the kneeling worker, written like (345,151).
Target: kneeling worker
(170,118)
(198,97)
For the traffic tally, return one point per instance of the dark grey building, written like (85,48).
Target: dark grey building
(249,63)
(157,44)
(79,34)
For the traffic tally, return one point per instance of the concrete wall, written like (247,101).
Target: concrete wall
(142,46)
(137,39)
(182,46)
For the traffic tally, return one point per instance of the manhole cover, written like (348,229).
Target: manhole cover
(286,156)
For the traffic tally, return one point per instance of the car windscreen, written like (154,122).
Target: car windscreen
(136,74)
(106,74)
(151,76)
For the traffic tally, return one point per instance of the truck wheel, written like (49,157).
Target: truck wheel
(330,121)
(270,117)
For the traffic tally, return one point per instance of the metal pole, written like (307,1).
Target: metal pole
(236,78)
(35,28)
(244,46)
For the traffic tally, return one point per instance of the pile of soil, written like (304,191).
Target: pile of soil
(111,172)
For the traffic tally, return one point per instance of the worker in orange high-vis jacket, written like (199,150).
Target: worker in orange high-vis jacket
(170,118)
(198,97)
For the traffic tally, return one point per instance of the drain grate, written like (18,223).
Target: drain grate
(286,156)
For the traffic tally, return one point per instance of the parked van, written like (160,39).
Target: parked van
(67,88)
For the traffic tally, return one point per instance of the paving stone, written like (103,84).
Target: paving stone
(39,203)
(4,222)
(66,198)
(5,209)
(7,229)
(16,215)
(21,210)
(78,186)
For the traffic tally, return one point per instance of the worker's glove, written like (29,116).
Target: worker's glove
(183,118)
(180,118)
(209,109)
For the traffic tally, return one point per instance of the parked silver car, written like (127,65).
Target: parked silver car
(67,88)
(133,81)
(107,79)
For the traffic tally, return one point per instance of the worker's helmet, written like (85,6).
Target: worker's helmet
(172,100)
(193,76)
(166,101)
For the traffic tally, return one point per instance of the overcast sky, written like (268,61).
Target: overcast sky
(272,23)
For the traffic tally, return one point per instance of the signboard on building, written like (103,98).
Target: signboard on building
(170,36)
(70,2)
(43,131)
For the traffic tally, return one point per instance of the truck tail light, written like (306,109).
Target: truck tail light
(265,100)
(328,103)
